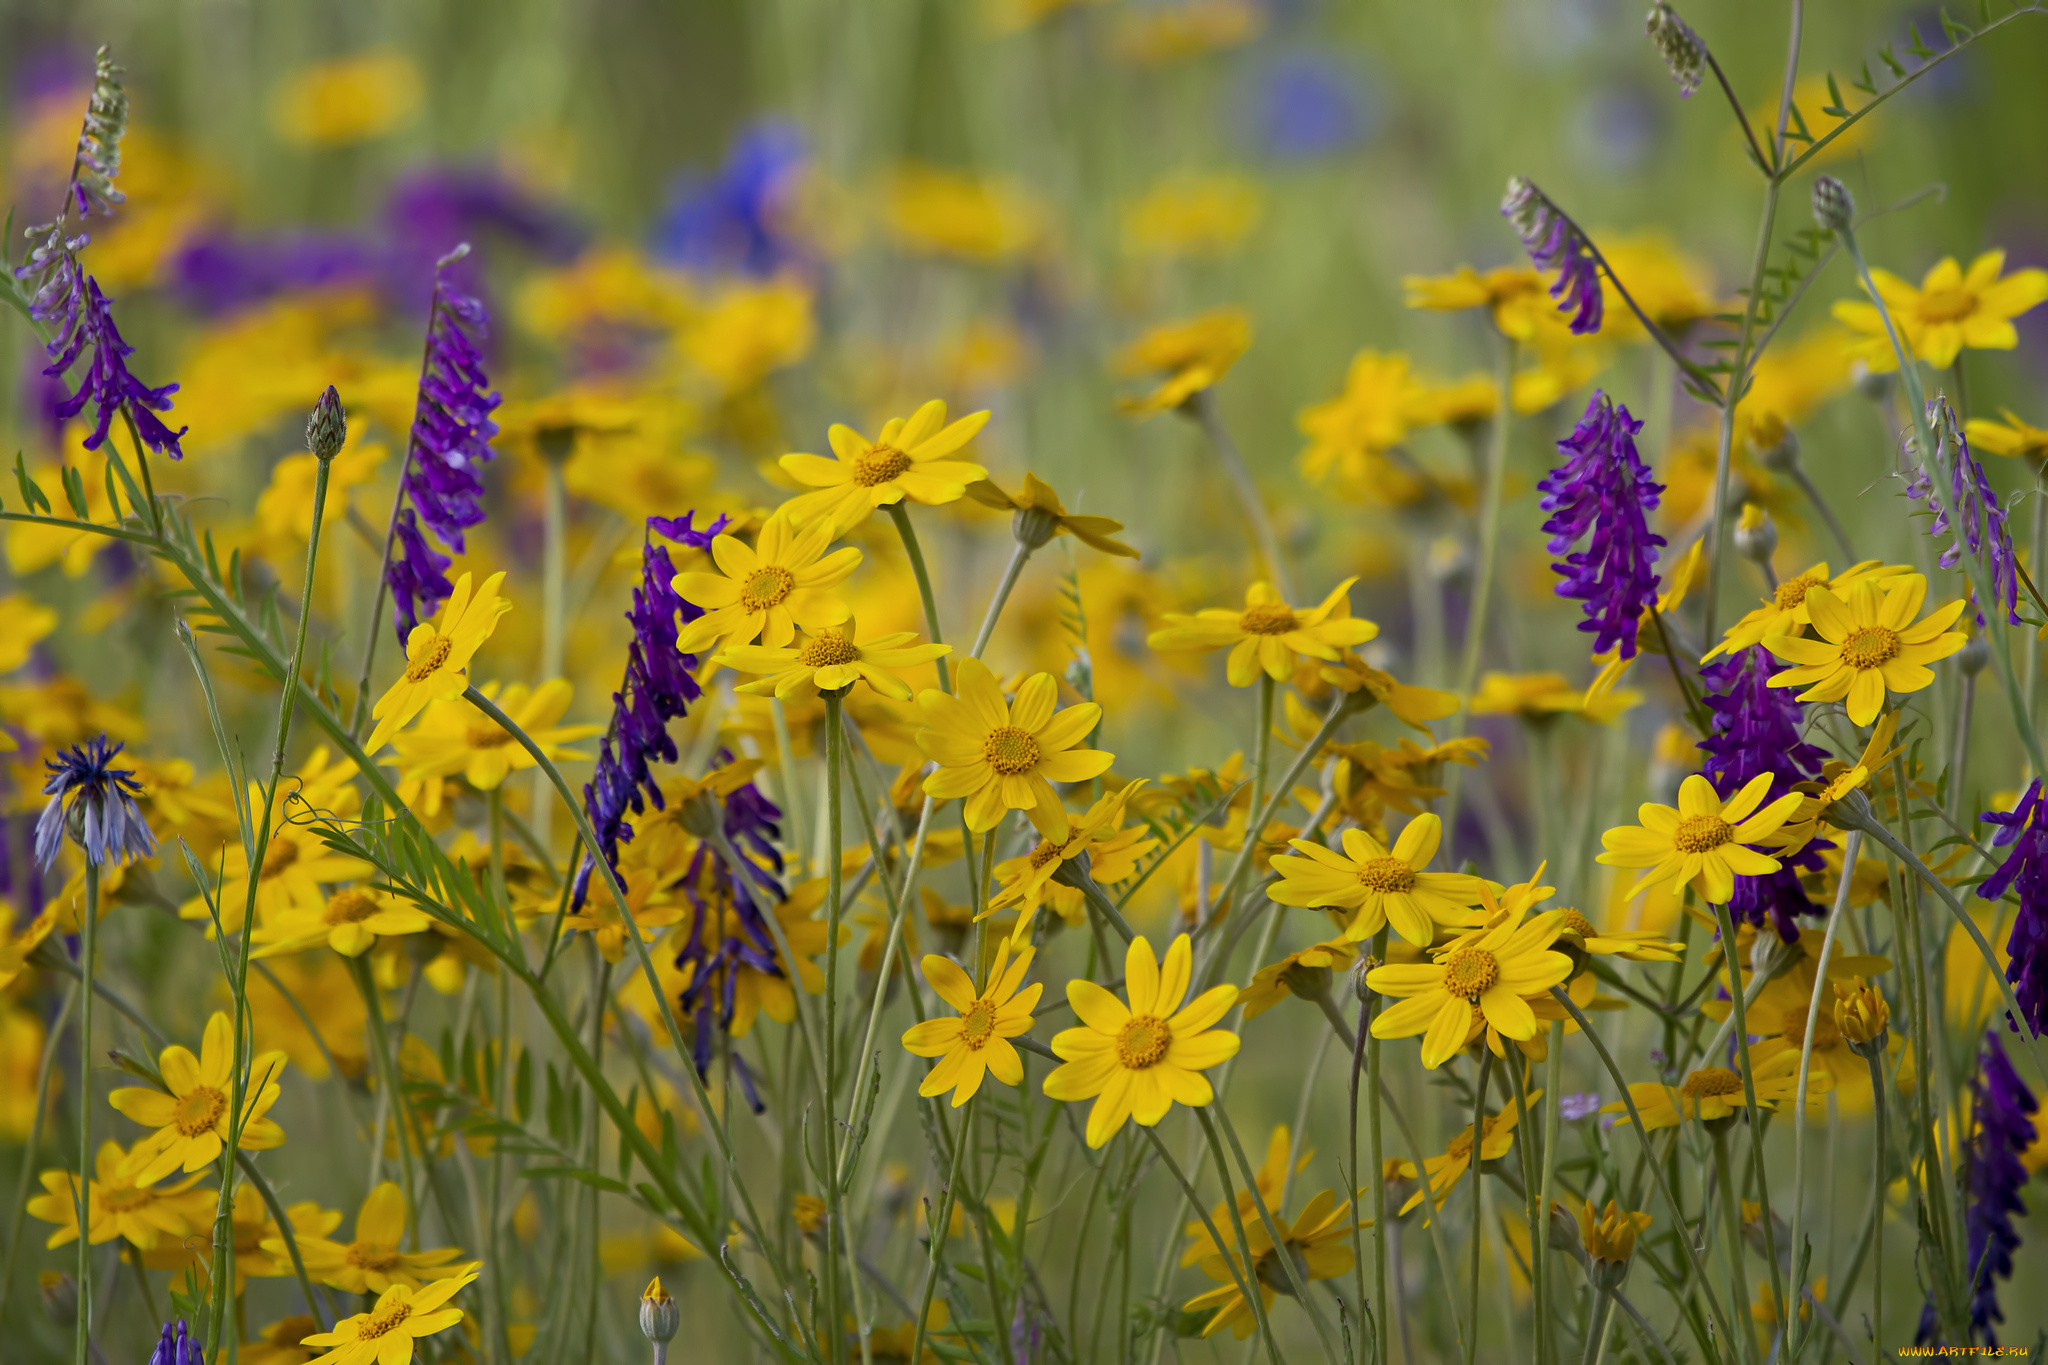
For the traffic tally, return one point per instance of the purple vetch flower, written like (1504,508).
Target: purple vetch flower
(1604,488)
(1972,509)
(450,440)
(1572,1108)
(1995,1178)
(217,271)
(2024,870)
(89,325)
(176,1348)
(95,802)
(418,575)
(1554,243)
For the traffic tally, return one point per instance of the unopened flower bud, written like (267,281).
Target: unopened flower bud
(60,1297)
(1562,1232)
(1609,1239)
(1309,983)
(327,425)
(1679,46)
(1972,657)
(1862,1017)
(1756,535)
(1359,971)
(1770,956)
(659,1316)
(1777,445)
(1834,208)
(702,814)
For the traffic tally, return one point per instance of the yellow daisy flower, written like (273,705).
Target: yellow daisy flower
(454,738)
(1953,309)
(1715,1092)
(1632,945)
(1038,497)
(437,657)
(192,1121)
(1192,355)
(977,1042)
(1447,1170)
(1269,1177)
(119,1205)
(1112,851)
(908,460)
(371,1263)
(1379,886)
(1268,635)
(1705,840)
(1868,646)
(1497,290)
(1543,697)
(2010,437)
(767,590)
(351,922)
(1001,758)
(1137,1061)
(1785,611)
(831,660)
(1490,969)
(402,1315)
(1274,982)
(1318,1243)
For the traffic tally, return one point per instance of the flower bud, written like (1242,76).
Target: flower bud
(1777,445)
(327,426)
(1862,1017)
(1683,52)
(1361,969)
(1609,1239)
(1032,527)
(1770,956)
(659,1316)
(1309,983)
(1834,208)
(702,813)
(1973,656)
(60,1297)
(1756,535)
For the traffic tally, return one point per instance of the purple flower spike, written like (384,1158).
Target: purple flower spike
(1995,1179)
(1604,488)
(2026,871)
(88,324)
(1972,509)
(418,576)
(176,1348)
(1555,243)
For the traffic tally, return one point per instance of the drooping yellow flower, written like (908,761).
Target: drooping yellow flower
(1309,968)
(1268,635)
(1377,886)
(1191,356)
(454,738)
(193,1121)
(351,922)
(1715,1092)
(1317,1241)
(1191,215)
(1868,645)
(1465,287)
(1785,611)
(1631,945)
(23,621)
(1268,1178)
(1136,1061)
(1490,969)
(749,329)
(909,459)
(1413,706)
(119,1205)
(1447,1170)
(437,657)
(1037,498)
(401,1317)
(976,1042)
(348,100)
(765,591)
(1953,309)
(371,1262)
(1610,1236)
(1705,840)
(1112,851)
(831,659)
(1000,757)
(2010,437)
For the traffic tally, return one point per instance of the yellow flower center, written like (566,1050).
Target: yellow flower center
(1143,1041)
(1870,647)
(878,465)
(199,1111)
(387,1321)
(1471,972)
(372,1256)
(486,735)
(1047,851)
(1793,1029)
(1946,305)
(1701,834)
(768,586)
(1388,875)
(348,907)
(1460,1147)
(1576,923)
(1268,618)
(280,856)
(1792,592)
(1010,751)
(125,1198)
(1711,1080)
(432,655)
(827,651)
(978,1025)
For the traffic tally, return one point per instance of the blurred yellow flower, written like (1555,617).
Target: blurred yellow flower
(1267,635)
(1715,1092)
(1192,356)
(1147,35)
(1674,289)
(437,657)
(607,286)
(348,100)
(21,1048)
(766,591)
(351,922)
(1540,697)
(1371,416)
(749,330)
(454,738)
(284,509)
(938,212)
(193,1120)
(909,459)
(1953,309)
(2010,437)
(119,1205)
(1810,98)
(1316,1241)
(1868,646)
(976,1042)
(1191,215)
(23,621)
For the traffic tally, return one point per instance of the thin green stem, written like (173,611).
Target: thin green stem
(1238,1270)
(907,533)
(1756,1132)
(936,1223)
(1478,1203)
(1018,555)
(1596,1337)
(1539,1241)
(1738,377)
(1731,1223)
(1203,407)
(88,964)
(1851,846)
(835,752)
(1244,1250)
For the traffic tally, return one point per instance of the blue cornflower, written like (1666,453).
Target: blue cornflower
(2025,869)
(176,1348)
(96,803)
(1554,242)
(1994,1179)
(1972,504)
(1604,488)
(737,219)
(1757,730)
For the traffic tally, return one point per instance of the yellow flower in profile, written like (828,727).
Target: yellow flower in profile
(939,212)
(1268,635)
(1498,290)
(1868,646)
(1268,1178)
(192,1121)
(1000,757)
(1192,356)
(351,922)
(279,1342)
(1454,402)
(1317,1241)
(1191,215)
(1037,498)
(767,590)
(119,1205)
(1952,310)
(831,660)
(371,1262)
(454,738)
(1378,886)
(1673,288)
(1138,1060)
(437,657)
(1610,1236)
(348,100)
(2010,437)
(401,1316)
(909,459)
(1490,969)
(1785,611)
(1542,697)
(976,1043)
(1447,1170)
(1705,841)
(1312,966)
(1112,852)
(23,621)
(1715,1092)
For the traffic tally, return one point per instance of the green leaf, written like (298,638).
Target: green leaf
(31,494)
(522,1087)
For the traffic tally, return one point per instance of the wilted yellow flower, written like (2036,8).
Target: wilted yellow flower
(1953,309)
(1309,968)
(1191,215)
(1192,356)
(1495,1141)
(1316,1241)
(347,100)
(1861,1014)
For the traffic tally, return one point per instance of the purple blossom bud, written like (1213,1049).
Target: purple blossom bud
(1604,488)
(1554,243)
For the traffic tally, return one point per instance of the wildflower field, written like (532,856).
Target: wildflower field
(1023,681)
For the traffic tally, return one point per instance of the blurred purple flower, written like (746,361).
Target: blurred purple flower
(1603,488)
(418,575)
(1554,243)
(1973,503)
(2025,869)
(216,271)
(1995,1178)
(1572,1108)
(1308,104)
(737,219)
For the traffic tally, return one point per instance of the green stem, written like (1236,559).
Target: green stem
(1203,406)
(1257,1300)
(1731,1221)
(792,794)
(1539,1241)
(1756,1130)
(28,1152)
(554,573)
(835,750)
(388,1080)
(1376,1151)
(1878,1195)
(936,1223)
(1478,1203)
(88,960)
(907,533)
(1288,1263)
(1596,1339)
(1237,1271)
(1851,846)
(1018,555)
